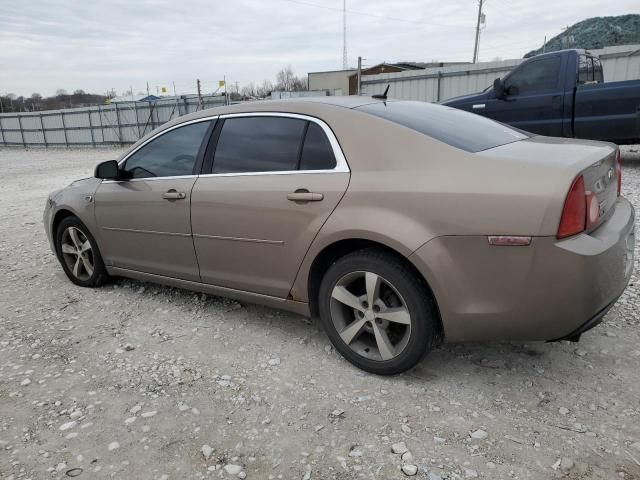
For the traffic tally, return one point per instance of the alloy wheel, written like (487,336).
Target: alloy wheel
(77,253)
(370,315)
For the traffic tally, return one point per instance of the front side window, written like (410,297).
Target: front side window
(535,76)
(171,154)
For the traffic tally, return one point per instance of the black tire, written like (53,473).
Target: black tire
(99,273)
(403,279)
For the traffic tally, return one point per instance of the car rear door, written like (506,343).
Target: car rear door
(534,98)
(274,180)
(145,219)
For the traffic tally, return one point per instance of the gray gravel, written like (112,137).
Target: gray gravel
(139,381)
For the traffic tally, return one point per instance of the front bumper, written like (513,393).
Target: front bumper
(548,290)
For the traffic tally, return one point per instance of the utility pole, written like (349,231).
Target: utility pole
(199,94)
(345,59)
(475,48)
(358,85)
(544,45)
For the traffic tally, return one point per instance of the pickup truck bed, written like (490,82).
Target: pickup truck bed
(608,111)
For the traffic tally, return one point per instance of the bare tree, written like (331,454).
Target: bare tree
(285,79)
(265,89)
(249,90)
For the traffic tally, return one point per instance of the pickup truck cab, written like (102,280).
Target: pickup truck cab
(561,94)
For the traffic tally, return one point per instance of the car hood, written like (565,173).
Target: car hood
(463,98)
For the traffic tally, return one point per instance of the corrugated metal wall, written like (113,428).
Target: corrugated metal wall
(438,84)
(118,123)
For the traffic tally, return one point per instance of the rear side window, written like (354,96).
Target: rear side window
(317,153)
(535,76)
(169,155)
(454,127)
(598,76)
(589,70)
(585,69)
(258,144)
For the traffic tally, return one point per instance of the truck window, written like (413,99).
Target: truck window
(585,69)
(535,75)
(598,75)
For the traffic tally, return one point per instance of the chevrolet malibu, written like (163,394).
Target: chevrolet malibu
(399,224)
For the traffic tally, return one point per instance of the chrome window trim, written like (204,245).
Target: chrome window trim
(341,162)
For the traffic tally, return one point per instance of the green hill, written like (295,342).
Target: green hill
(596,32)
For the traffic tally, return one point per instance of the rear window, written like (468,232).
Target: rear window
(454,127)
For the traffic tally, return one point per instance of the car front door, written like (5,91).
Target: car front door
(144,218)
(534,99)
(275,180)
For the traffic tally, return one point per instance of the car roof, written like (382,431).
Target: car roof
(313,106)
(291,105)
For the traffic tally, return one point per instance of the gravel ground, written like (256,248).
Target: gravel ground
(139,381)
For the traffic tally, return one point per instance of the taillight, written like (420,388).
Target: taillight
(574,212)
(593,209)
(619,171)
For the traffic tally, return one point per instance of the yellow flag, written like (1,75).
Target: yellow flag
(164,90)
(221,83)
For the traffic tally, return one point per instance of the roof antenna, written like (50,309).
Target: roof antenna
(382,96)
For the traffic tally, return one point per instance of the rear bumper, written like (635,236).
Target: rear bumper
(552,289)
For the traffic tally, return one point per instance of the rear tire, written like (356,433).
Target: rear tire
(78,254)
(376,312)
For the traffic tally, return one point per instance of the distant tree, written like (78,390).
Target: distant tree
(285,79)
(249,90)
(79,92)
(36,97)
(61,92)
(265,89)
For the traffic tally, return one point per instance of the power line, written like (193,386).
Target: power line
(373,15)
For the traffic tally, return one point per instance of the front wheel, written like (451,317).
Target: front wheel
(79,255)
(378,314)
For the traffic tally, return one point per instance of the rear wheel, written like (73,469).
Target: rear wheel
(376,312)
(79,255)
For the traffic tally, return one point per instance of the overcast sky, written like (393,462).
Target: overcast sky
(98,45)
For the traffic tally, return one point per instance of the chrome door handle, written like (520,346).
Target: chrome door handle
(173,195)
(304,196)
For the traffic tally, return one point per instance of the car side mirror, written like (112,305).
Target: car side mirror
(498,88)
(108,170)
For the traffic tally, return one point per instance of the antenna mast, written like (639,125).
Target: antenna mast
(345,61)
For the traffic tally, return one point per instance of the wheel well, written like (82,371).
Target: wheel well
(339,249)
(60,215)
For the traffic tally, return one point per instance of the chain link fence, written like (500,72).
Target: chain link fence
(104,125)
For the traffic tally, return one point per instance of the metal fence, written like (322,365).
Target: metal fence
(115,124)
(438,84)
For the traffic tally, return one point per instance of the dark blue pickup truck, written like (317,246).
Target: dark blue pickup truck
(561,94)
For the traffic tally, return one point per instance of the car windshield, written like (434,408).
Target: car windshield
(454,127)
